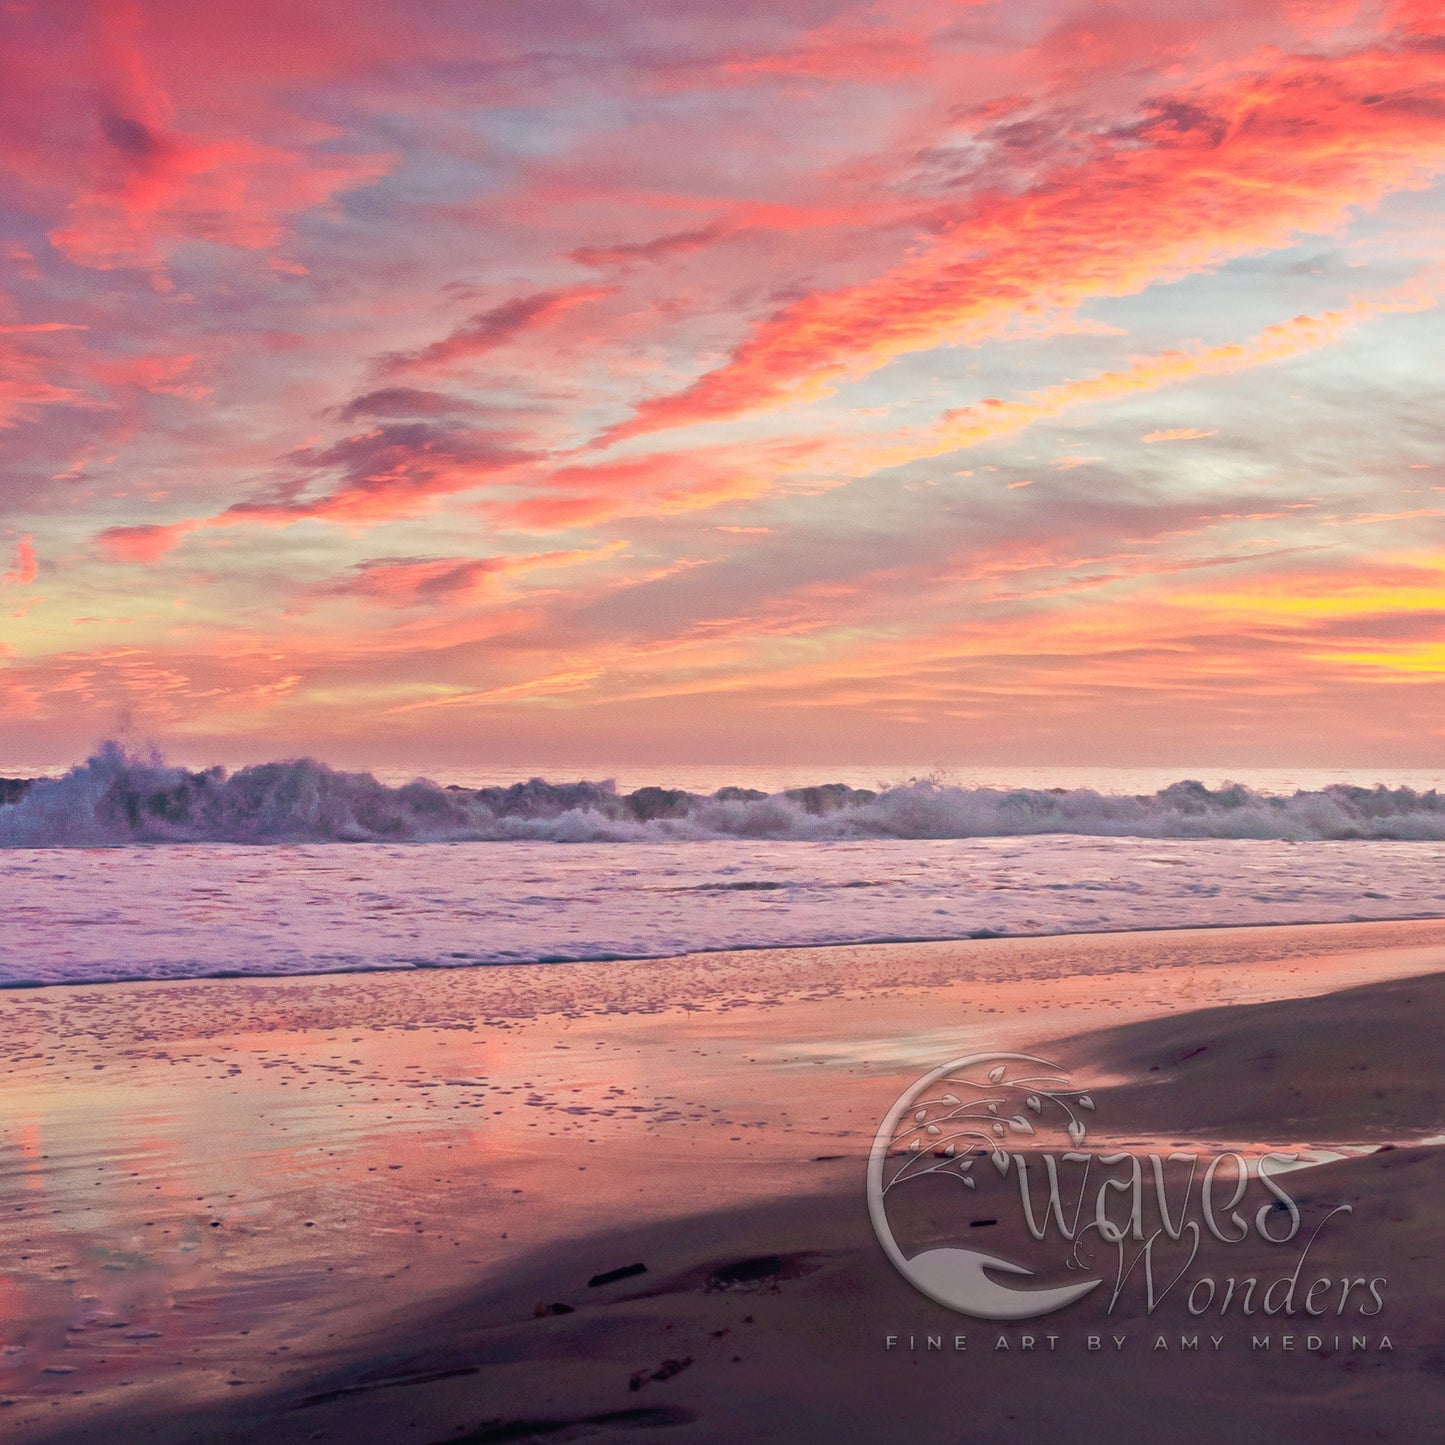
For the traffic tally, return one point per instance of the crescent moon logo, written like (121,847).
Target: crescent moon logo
(957,1278)
(924,1130)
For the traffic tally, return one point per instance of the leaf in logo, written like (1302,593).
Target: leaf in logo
(995,1074)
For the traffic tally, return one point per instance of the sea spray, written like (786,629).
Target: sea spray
(118,797)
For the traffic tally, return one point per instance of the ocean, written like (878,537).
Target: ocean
(126,868)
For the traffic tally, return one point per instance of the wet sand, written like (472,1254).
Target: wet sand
(328,1208)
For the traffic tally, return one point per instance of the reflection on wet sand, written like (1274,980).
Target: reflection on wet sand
(214,1188)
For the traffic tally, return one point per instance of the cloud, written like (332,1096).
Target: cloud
(844,49)
(144,543)
(23,567)
(326,262)
(630,253)
(417,581)
(993,417)
(673,482)
(160,189)
(149,181)
(1217,170)
(487,330)
(393,470)
(29,372)
(411,581)
(1177,434)
(652,484)
(405,401)
(163,375)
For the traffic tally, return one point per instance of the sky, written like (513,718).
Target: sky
(1038,382)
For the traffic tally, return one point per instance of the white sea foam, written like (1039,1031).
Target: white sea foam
(116,797)
(435,877)
(189,910)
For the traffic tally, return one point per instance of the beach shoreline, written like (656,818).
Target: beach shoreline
(985,935)
(236,1193)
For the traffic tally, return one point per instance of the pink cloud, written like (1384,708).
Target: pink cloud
(23,567)
(393,470)
(142,544)
(630,253)
(412,581)
(30,374)
(1214,169)
(653,484)
(145,170)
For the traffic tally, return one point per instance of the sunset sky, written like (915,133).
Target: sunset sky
(671,379)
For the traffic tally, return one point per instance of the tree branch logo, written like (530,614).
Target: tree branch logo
(997,1142)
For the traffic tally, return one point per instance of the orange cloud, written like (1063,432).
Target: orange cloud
(970,425)
(1177,434)
(654,484)
(395,469)
(679,481)
(1214,171)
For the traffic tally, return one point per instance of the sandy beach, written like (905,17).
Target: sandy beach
(369,1206)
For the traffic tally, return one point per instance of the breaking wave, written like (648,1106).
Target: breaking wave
(119,797)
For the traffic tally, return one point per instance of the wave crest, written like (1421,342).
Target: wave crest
(118,797)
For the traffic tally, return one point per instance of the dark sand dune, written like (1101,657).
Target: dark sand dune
(1362,1064)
